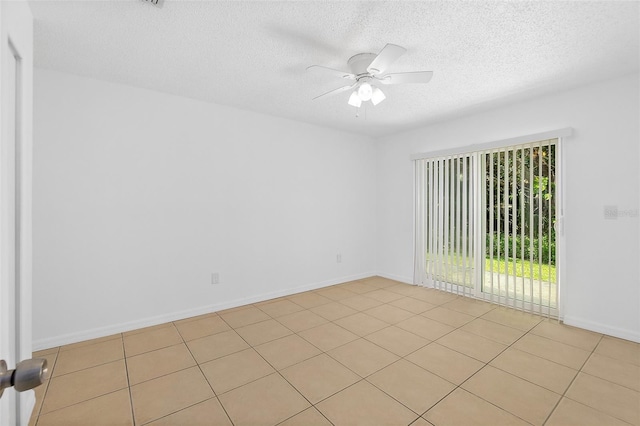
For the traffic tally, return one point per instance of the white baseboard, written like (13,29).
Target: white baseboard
(622,333)
(402,279)
(66,339)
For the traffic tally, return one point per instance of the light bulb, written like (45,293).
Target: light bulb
(377,96)
(354,100)
(364,91)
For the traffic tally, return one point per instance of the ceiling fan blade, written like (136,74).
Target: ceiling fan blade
(407,77)
(331,71)
(386,57)
(336,91)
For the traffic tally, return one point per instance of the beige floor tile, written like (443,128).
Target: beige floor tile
(150,365)
(112,409)
(302,320)
(397,340)
(327,336)
(513,318)
(389,314)
(399,287)
(244,317)
(40,393)
(571,413)
(379,282)
(493,331)
(280,307)
(319,377)
(335,293)
(88,356)
(196,318)
(147,329)
(539,371)
(408,290)
(469,306)
(151,340)
(462,408)
(472,345)
(309,417)
(384,296)
(613,370)
(49,351)
(412,305)
(363,357)
(205,413)
(267,401)
(519,397)
(425,327)
(333,311)
(235,370)
(623,350)
(359,287)
(361,324)
(364,404)
(309,299)
(361,302)
(538,364)
(90,342)
(447,316)
(211,324)
(435,297)
(85,384)
(159,397)
(268,301)
(413,386)
(446,363)
(573,336)
(566,355)
(610,398)
(216,346)
(263,332)
(287,351)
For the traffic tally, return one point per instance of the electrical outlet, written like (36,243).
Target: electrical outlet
(339,258)
(215,278)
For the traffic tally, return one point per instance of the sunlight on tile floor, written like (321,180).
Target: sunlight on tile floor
(369,352)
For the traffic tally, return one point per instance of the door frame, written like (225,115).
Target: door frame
(16,39)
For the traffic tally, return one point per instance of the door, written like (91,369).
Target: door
(486,224)
(16,76)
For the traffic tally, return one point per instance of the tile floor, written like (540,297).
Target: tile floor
(370,352)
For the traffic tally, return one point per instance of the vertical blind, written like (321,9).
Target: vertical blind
(445,223)
(485,225)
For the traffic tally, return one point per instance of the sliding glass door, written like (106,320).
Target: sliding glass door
(486,225)
(519,220)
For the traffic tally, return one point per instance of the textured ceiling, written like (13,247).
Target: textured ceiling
(253,55)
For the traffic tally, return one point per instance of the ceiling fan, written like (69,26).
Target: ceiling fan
(368,73)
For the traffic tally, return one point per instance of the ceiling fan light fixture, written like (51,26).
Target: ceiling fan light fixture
(369,73)
(365,91)
(354,99)
(377,96)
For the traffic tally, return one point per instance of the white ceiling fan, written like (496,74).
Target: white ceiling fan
(368,73)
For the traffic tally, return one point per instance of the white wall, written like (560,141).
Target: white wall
(139,196)
(602,288)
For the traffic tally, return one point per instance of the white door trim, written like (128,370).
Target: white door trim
(16,40)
